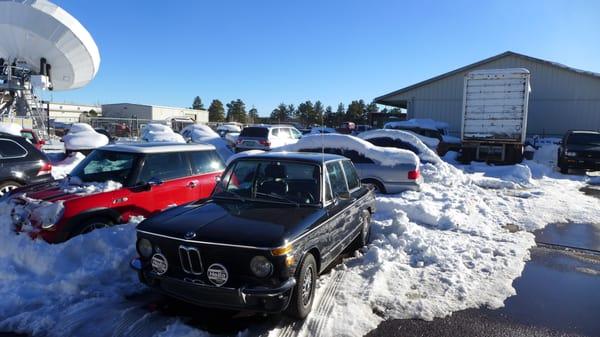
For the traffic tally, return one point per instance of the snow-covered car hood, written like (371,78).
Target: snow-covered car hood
(63,190)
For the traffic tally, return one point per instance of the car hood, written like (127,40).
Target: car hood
(247,223)
(48,191)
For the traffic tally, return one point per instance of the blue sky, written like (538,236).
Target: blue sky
(266,52)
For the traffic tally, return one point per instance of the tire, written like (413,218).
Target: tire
(378,186)
(89,225)
(303,293)
(564,170)
(7,186)
(365,234)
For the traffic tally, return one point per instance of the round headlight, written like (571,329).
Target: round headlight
(260,266)
(144,247)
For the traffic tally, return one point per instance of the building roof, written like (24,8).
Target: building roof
(384,99)
(157,147)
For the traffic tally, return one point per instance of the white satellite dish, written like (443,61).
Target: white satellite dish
(32,30)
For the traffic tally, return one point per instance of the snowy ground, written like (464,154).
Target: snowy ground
(457,244)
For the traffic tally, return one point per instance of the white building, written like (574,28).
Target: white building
(151,112)
(69,113)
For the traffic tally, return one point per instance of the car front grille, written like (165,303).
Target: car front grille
(191,262)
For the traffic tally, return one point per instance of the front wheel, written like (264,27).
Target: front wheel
(303,293)
(7,186)
(90,225)
(364,237)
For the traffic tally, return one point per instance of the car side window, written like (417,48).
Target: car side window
(205,162)
(356,157)
(275,132)
(327,187)
(164,166)
(336,178)
(351,176)
(284,133)
(296,134)
(11,149)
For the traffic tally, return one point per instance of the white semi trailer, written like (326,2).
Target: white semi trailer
(494,115)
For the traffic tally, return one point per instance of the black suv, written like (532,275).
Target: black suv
(21,163)
(579,150)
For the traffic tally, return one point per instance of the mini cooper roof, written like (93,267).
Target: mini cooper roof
(157,147)
(310,157)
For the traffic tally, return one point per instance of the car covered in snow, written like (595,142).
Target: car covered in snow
(274,222)
(579,150)
(390,170)
(431,129)
(112,185)
(81,137)
(266,137)
(21,163)
(401,139)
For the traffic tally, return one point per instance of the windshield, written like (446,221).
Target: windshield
(255,132)
(584,139)
(102,166)
(277,181)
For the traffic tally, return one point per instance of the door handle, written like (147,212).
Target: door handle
(192,184)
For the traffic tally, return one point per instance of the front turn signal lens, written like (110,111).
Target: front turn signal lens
(282,250)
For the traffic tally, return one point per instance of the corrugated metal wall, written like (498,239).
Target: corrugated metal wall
(560,99)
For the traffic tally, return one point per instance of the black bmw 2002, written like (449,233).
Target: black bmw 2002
(272,224)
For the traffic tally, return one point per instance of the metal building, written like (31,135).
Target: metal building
(151,112)
(562,98)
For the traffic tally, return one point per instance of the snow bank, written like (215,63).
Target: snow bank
(203,134)
(74,185)
(425,153)
(382,155)
(55,290)
(61,168)
(160,133)
(82,136)
(11,128)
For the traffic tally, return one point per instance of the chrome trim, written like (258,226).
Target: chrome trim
(188,252)
(208,243)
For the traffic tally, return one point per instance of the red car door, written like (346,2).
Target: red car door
(206,167)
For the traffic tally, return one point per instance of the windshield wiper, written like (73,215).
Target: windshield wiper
(235,195)
(278,197)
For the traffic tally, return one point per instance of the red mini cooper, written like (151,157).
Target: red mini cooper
(114,183)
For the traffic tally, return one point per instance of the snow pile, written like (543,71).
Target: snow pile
(229,128)
(504,176)
(160,133)
(57,290)
(11,128)
(248,153)
(74,185)
(20,212)
(203,134)
(82,136)
(424,151)
(62,168)
(423,123)
(384,156)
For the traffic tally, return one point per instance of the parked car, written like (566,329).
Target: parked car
(401,139)
(105,132)
(579,150)
(119,181)
(266,137)
(273,224)
(390,170)
(361,128)
(431,129)
(33,137)
(21,163)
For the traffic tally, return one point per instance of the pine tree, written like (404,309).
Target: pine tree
(306,113)
(236,111)
(340,115)
(329,117)
(197,105)
(356,112)
(280,114)
(252,115)
(216,112)
(319,112)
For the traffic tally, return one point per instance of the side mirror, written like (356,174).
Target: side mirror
(344,196)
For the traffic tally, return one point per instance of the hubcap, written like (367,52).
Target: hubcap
(7,189)
(307,286)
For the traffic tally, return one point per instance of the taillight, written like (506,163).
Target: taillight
(264,142)
(414,174)
(239,141)
(45,169)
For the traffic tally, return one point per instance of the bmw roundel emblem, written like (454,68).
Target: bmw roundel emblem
(190,235)
(217,274)
(159,264)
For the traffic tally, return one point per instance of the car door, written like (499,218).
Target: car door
(353,220)
(165,180)
(207,166)
(338,211)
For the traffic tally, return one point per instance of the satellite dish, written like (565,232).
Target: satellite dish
(37,33)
